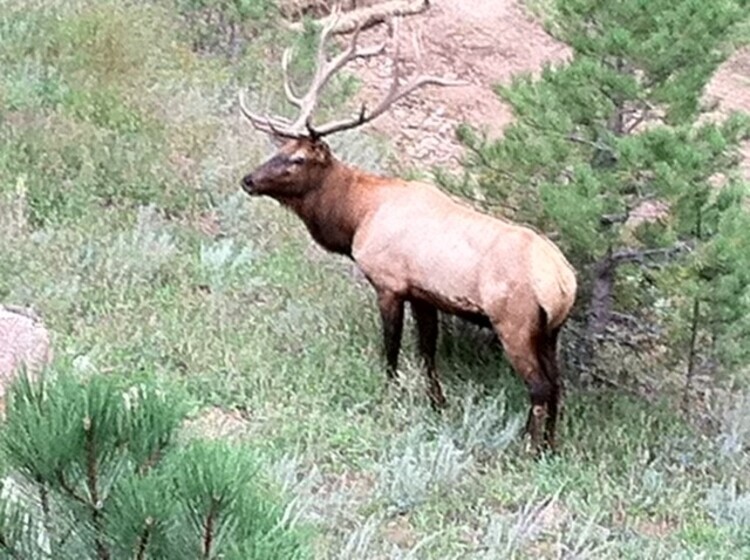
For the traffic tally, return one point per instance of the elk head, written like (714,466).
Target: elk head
(300,165)
(304,159)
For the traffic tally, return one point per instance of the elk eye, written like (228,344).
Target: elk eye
(297,160)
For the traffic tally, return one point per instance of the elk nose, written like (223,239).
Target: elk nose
(248,184)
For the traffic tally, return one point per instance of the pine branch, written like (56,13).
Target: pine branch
(44,501)
(92,483)
(599,146)
(208,529)
(150,462)
(144,539)
(484,160)
(61,542)
(12,552)
(47,517)
(69,489)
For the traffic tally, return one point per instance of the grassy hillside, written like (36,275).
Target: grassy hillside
(122,223)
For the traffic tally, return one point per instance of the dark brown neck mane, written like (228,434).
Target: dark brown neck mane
(334,209)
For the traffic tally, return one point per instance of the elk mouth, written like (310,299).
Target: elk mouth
(249,185)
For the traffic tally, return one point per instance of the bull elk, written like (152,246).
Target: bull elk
(416,244)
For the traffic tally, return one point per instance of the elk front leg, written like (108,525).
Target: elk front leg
(392,315)
(426,318)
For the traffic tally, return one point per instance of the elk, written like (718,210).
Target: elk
(416,244)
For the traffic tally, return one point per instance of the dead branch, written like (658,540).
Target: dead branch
(640,256)
(597,145)
(611,219)
(369,16)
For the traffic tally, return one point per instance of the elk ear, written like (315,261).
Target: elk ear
(321,152)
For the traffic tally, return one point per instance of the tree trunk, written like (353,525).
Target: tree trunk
(599,312)
(692,355)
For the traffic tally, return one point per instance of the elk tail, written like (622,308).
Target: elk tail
(553,280)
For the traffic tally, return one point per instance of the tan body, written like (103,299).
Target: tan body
(416,244)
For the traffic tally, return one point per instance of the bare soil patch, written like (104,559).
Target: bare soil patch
(484,42)
(730,86)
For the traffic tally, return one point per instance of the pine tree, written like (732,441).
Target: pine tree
(619,132)
(92,470)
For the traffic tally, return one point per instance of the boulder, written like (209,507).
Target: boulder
(24,342)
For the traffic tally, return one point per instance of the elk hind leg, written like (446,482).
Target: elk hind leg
(551,368)
(392,316)
(426,318)
(521,344)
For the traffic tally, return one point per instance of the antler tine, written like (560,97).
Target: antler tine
(276,126)
(363,117)
(325,69)
(396,69)
(293,98)
(302,125)
(394,94)
(308,102)
(320,66)
(330,25)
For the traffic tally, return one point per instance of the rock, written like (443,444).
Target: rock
(24,342)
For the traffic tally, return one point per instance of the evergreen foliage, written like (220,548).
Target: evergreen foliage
(223,26)
(93,470)
(620,131)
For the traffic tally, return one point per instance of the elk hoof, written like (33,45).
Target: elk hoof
(438,402)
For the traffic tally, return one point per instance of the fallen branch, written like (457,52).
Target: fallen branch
(611,219)
(641,255)
(364,18)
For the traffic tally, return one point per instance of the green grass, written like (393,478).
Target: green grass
(117,146)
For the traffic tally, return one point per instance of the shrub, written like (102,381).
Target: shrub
(93,470)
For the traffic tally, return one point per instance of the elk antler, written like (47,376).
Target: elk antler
(324,69)
(306,104)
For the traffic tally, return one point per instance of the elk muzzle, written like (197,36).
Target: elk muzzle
(249,185)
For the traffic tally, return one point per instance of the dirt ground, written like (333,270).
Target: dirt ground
(483,42)
(731,88)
